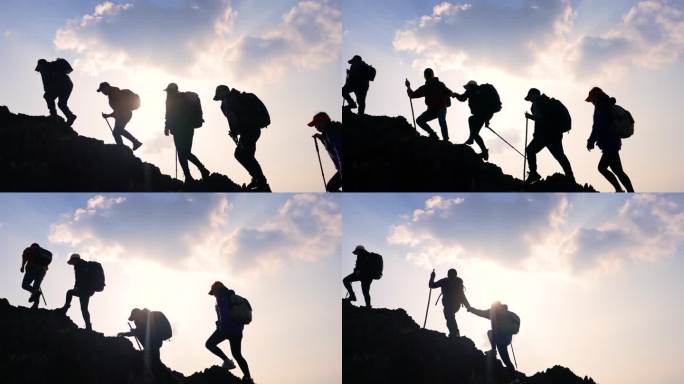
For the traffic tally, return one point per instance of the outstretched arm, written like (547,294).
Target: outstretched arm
(459,97)
(432,283)
(124,334)
(480,312)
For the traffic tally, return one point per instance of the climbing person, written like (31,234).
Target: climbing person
(233,313)
(183,116)
(359,76)
(551,119)
(504,325)
(34,262)
(246,116)
(484,102)
(453,297)
(57,86)
(152,328)
(437,99)
(368,268)
(89,278)
(123,103)
(604,134)
(330,134)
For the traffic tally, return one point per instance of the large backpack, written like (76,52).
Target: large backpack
(489,98)
(61,66)
(370,72)
(561,116)
(509,323)
(623,122)
(256,110)
(375,265)
(41,256)
(161,324)
(192,109)
(95,277)
(130,101)
(240,310)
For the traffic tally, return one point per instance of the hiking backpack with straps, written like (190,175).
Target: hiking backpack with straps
(192,109)
(561,116)
(240,310)
(129,100)
(370,72)
(95,277)
(256,110)
(491,103)
(623,122)
(509,323)
(61,66)
(375,265)
(161,324)
(40,256)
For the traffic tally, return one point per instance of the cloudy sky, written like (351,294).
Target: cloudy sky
(632,49)
(287,52)
(596,280)
(164,251)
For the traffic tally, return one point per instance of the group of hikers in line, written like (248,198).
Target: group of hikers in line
(611,123)
(504,323)
(152,328)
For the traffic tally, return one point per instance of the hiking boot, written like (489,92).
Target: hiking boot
(33,297)
(533,177)
(260,185)
(228,364)
(571,177)
(455,335)
(205,173)
(63,310)
(247,380)
(137,145)
(433,135)
(70,120)
(485,155)
(351,297)
(470,141)
(352,104)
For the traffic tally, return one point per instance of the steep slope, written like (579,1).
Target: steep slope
(42,154)
(387,346)
(43,346)
(385,154)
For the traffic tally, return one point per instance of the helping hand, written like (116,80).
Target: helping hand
(407,83)
(528,116)
(166,132)
(590,145)
(432,275)
(22,270)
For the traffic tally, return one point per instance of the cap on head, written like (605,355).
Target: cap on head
(35,245)
(470,84)
(74,258)
(136,313)
(221,92)
(355,59)
(172,87)
(532,94)
(41,63)
(594,93)
(452,273)
(214,287)
(428,73)
(104,86)
(359,249)
(320,117)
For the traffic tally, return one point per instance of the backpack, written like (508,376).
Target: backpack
(240,310)
(61,66)
(561,116)
(623,122)
(256,110)
(42,257)
(128,100)
(375,265)
(95,276)
(192,109)
(161,325)
(490,101)
(509,323)
(370,72)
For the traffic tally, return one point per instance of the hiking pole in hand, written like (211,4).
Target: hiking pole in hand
(109,125)
(428,304)
(136,337)
(513,350)
(504,140)
(525,156)
(411,101)
(320,163)
(43,296)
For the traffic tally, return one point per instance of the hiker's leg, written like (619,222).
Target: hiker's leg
(50,100)
(64,99)
(441,118)
(236,351)
(84,297)
(153,353)
(502,346)
(450,317)
(534,147)
(120,128)
(39,275)
(26,282)
(245,151)
(476,127)
(180,141)
(361,99)
(424,117)
(346,90)
(616,166)
(69,295)
(365,288)
(347,284)
(212,344)
(604,163)
(492,342)
(335,183)
(190,156)
(555,146)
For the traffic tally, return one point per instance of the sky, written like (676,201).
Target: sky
(286,52)
(163,252)
(632,49)
(595,279)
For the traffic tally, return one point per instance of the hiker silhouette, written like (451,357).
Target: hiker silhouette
(551,120)
(437,99)
(228,327)
(246,116)
(85,286)
(484,102)
(183,116)
(330,134)
(604,134)
(453,297)
(34,262)
(368,268)
(57,86)
(359,76)
(152,328)
(504,325)
(123,103)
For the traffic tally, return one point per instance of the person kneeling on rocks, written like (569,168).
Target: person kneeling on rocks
(505,324)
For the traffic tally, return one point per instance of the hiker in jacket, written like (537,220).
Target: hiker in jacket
(244,131)
(453,296)
(330,134)
(363,272)
(437,99)
(607,140)
(358,81)
(546,134)
(82,288)
(480,115)
(35,267)
(122,112)
(227,329)
(57,86)
(183,132)
(500,335)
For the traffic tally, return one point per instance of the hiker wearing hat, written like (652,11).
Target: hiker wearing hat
(483,101)
(57,86)
(551,120)
(368,268)
(359,76)
(453,297)
(603,135)
(87,281)
(504,324)
(437,99)
(246,116)
(183,116)
(229,326)
(34,262)
(330,134)
(123,103)
(151,329)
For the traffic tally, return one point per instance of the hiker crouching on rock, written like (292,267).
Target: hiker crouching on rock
(505,324)
(437,99)
(330,134)
(89,278)
(453,296)
(123,103)
(368,268)
(57,86)
(35,261)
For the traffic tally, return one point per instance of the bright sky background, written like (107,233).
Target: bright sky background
(595,279)
(287,52)
(163,252)
(632,49)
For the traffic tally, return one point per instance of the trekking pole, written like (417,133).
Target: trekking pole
(109,125)
(504,140)
(514,360)
(176,161)
(412,113)
(428,304)
(43,296)
(319,162)
(525,157)
(136,337)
